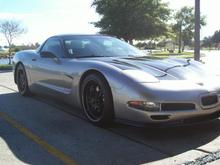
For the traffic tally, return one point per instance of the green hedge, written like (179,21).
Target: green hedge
(5,67)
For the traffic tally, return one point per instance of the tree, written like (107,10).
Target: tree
(216,37)
(207,42)
(11,29)
(184,26)
(36,45)
(132,19)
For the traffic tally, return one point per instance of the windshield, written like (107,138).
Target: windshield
(99,46)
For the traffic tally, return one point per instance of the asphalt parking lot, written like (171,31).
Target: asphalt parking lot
(37,130)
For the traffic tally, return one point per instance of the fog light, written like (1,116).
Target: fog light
(145,105)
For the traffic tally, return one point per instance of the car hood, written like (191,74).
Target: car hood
(164,69)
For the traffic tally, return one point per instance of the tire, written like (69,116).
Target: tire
(97,100)
(21,79)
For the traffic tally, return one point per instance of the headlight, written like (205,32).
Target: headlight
(144,105)
(140,76)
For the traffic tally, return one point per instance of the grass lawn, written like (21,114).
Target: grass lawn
(160,54)
(5,67)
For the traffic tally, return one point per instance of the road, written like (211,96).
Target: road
(37,130)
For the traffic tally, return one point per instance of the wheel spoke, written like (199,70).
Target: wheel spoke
(93,100)
(21,80)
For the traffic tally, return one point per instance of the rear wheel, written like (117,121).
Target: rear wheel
(21,79)
(97,100)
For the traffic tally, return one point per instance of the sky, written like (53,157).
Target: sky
(44,18)
(209,8)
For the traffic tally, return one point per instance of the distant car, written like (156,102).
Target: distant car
(112,80)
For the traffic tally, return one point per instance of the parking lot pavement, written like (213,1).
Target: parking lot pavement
(217,162)
(13,145)
(77,139)
(64,135)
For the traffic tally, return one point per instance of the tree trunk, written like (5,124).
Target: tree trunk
(173,44)
(130,41)
(197,31)
(183,46)
(9,55)
(180,39)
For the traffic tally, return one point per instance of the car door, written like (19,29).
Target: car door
(47,73)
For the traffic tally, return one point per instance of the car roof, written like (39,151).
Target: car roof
(70,35)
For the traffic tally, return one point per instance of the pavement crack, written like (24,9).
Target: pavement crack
(205,159)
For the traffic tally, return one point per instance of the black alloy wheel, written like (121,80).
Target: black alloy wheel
(97,100)
(21,80)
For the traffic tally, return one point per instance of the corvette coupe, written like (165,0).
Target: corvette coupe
(111,80)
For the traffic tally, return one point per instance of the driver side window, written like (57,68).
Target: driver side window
(53,45)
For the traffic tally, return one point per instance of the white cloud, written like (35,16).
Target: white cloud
(73,16)
(63,17)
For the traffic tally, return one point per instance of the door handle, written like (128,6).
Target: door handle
(34,59)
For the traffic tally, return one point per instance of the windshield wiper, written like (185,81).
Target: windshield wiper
(176,66)
(188,62)
(89,56)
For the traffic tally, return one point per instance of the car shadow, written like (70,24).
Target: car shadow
(91,144)
(172,140)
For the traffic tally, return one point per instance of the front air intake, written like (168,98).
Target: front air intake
(209,100)
(177,106)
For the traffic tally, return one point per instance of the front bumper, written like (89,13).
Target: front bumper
(181,94)
(201,119)
(186,116)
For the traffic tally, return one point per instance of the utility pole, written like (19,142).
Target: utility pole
(197,31)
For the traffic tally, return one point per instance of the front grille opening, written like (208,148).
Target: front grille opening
(160,117)
(177,106)
(209,100)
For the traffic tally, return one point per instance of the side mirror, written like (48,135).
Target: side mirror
(46,54)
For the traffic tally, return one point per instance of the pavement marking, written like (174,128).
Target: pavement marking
(49,148)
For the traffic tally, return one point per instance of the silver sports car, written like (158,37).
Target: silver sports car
(112,80)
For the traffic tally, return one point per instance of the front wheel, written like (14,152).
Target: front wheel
(97,100)
(21,79)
